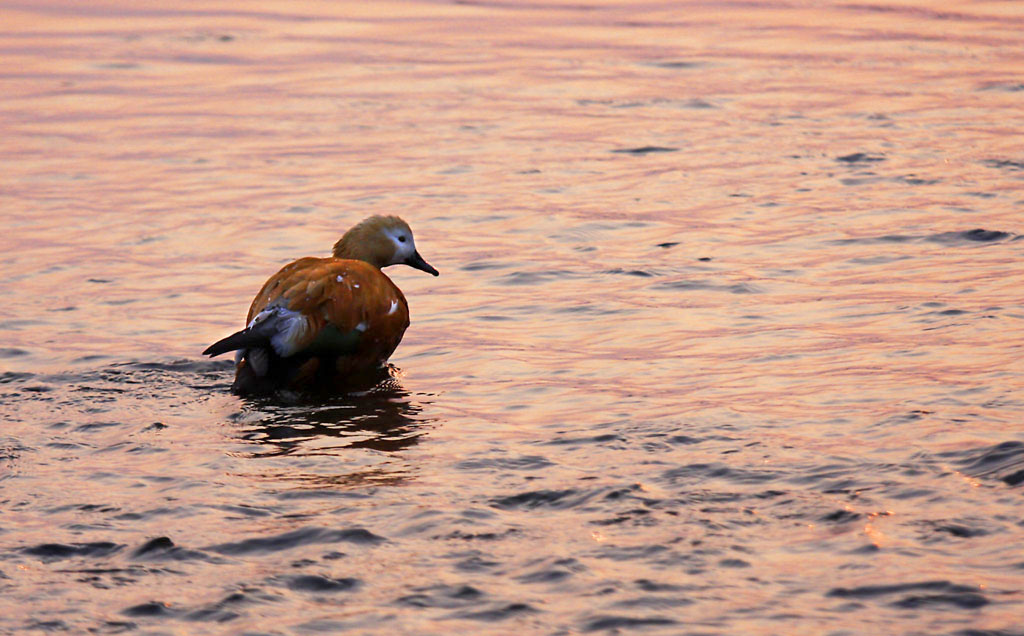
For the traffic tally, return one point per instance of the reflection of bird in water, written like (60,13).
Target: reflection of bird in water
(381,418)
(323,323)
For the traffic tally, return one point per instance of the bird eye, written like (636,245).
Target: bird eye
(401,239)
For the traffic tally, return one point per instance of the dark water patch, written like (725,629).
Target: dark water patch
(10,377)
(596,439)
(91,427)
(977,235)
(591,309)
(604,623)
(858,181)
(999,86)
(228,608)
(321,584)
(533,278)
(483,265)
(295,539)
(860,157)
(553,575)
(477,536)
(742,288)
(839,517)
(107,384)
(701,472)
(181,365)
(18,324)
(475,561)
(554,499)
(1004,461)
(523,462)
(684,440)
(667,244)
(960,529)
(58,551)
(220,612)
(163,549)
(11,352)
(889,238)
(644,150)
(612,103)
(691,285)
(117,627)
(839,478)
(100,508)
(496,613)
(651,553)
(152,609)
(629,272)
(648,585)
(48,626)
(159,544)
(963,601)
(698,104)
(1006,164)
(204,37)
(914,180)
(368,624)
(152,513)
(554,572)
(636,516)
(442,596)
(677,64)
(668,603)
(117,65)
(39,388)
(918,595)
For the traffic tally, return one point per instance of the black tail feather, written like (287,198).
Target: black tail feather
(242,340)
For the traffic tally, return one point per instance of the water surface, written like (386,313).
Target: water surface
(727,338)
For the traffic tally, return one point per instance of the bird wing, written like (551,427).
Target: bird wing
(337,304)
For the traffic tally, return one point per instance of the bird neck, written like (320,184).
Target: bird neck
(359,245)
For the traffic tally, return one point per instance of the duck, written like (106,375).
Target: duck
(325,324)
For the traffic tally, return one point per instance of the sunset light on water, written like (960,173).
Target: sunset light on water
(727,336)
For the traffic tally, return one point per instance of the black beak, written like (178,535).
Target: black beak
(416,261)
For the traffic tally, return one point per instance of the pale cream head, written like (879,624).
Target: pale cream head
(382,241)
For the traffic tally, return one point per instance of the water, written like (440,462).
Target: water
(727,338)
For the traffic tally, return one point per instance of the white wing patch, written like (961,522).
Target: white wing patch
(288,328)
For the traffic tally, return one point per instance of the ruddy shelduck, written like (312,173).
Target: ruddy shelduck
(324,323)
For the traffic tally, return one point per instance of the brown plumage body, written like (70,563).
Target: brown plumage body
(325,324)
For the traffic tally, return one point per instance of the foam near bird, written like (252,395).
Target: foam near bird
(322,323)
